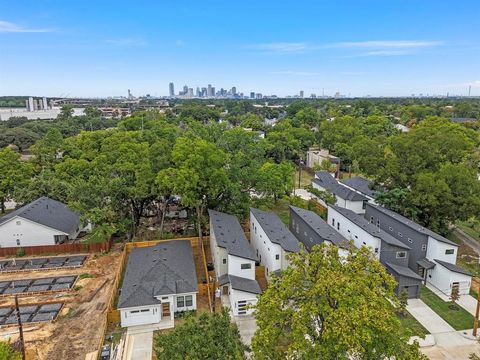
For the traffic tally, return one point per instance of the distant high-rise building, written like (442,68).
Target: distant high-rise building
(234,91)
(197,92)
(30,104)
(301,93)
(213,91)
(171,89)
(190,92)
(185,90)
(45,103)
(204,92)
(210,93)
(258,95)
(252,95)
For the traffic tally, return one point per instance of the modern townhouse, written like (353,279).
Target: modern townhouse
(391,252)
(432,256)
(271,240)
(345,197)
(362,186)
(234,261)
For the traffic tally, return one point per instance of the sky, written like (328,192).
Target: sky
(86,48)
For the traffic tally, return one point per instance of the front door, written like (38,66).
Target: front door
(165,309)
(225,290)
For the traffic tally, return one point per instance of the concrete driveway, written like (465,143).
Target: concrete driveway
(140,346)
(469,303)
(246,326)
(427,317)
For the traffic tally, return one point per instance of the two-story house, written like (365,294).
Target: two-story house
(362,186)
(271,240)
(234,261)
(391,252)
(432,256)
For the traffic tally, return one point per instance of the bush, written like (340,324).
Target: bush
(20,252)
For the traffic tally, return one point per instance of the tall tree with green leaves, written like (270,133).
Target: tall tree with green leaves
(13,174)
(327,306)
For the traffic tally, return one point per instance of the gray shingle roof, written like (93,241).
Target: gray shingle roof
(240,283)
(368,227)
(229,235)
(276,230)
(326,181)
(47,212)
(453,267)
(164,269)
(413,225)
(403,271)
(361,184)
(426,264)
(320,226)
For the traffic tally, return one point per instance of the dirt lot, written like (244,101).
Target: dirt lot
(77,330)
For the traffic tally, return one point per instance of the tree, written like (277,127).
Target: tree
(66,112)
(403,302)
(329,306)
(454,297)
(276,180)
(211,336)
(7,352)
(92,112)
(13,173)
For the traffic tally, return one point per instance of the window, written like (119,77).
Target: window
(297,228)
(356,237)
(348,231)
(188,300)
(245,266)
(18,242)
(376,250)
(180,301)
(364,204)
(333,222)
(400,234)
(449,251)
(401,254)
(277,257)
(364,243)
(390,228)
(410,240)
(371,219)
(305,233)
(378,223)
(257,252)
(19,222)
(224,261)
(338,226)
(424,247)
(145,310)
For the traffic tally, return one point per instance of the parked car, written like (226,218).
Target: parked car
(105,354)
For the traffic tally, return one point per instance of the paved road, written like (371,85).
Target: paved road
(467,239)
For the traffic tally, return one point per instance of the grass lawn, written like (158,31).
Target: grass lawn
(305,179)
(471,228)
(410,324)
(459,319)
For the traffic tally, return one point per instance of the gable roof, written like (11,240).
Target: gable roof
(229,235)
(47,212)
(411,224)
(164,269)
(360,184)
(240,283)
(276,230)
(453,267)
(403,271)
(320,227)
(326,181)
(368,227)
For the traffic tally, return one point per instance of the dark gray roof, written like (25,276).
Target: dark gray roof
(403,271)
(413,225)
(368,227)
(426,264)
(276,230)
(240,283)
(229,235)
(453,267)
(164,269)
(47,212)
(320,226)
(361,184)
(326,181)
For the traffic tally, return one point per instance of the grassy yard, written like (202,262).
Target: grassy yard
(472,228)
(410,324)
(305,178)
(467,258)
(459,319)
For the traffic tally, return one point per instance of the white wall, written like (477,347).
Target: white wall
(152,316)
(352,231)
(436,250)
(234,267)
(442,279)
(265,249)
(185,308)
(218,254)
(29,233)
(237,295)
(355,206)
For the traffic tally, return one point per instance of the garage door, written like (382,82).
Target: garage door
(412,291)
(141,317)
(463,287)
(242,307)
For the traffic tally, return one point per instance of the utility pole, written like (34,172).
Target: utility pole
(20,327)
(475,321)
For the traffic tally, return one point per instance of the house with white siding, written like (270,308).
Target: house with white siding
(159,281)
(42,222)
(234,261)
(271,240)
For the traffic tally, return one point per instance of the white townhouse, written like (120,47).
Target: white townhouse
(346,197)
(159,281)
(271,240)
(234,262)
(42,222)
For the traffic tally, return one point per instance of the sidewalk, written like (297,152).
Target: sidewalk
(427,317)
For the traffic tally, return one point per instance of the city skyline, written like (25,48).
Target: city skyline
(378,48)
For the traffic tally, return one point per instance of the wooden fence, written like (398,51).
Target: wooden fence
(72,248)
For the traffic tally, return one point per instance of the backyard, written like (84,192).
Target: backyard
(459,318)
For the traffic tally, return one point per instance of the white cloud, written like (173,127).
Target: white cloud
(126,42)
(386,53)
(8,27)
(284,47)
(294,73)
(387,44)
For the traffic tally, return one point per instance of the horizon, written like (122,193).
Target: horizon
(371,48)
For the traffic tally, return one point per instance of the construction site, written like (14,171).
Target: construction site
(63,302)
